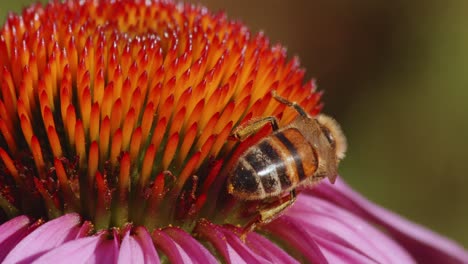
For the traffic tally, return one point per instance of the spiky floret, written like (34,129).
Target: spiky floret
(121,110)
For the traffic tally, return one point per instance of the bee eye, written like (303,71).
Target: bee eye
(328,135)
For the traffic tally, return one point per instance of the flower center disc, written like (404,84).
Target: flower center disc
(122,110)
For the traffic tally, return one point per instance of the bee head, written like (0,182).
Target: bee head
(334,135)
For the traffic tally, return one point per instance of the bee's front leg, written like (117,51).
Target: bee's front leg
(294,105)
(253,126)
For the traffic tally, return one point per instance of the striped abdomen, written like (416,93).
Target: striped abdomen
(274,165)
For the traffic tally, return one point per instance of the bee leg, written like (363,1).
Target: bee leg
(253,126)
(269,214)
(294,105)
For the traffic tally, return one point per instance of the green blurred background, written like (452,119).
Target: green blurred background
(395,76)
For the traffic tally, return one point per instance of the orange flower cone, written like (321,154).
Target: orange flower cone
(115,124)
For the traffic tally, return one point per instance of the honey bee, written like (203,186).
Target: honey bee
(301,153)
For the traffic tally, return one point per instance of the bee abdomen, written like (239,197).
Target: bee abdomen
(258,173)
(275,165)
(278,161)
(261,172)
(244,182)
(298,154)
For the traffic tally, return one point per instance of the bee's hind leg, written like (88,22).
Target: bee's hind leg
(269,213)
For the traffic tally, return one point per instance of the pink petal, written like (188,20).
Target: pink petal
(175,252)
(146,242)
(331,223)
(182,241)
(138,249)
(11,232)
(46,237)
(425,245)
(228,244)
(82,250)
(268,249)
(336,253)
(130,250)
(108,250)
(85,229)
(298,237)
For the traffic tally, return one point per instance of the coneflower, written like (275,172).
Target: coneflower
(115,124)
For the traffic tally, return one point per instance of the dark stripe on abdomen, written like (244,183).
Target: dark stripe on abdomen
(244,179)
(269,151)
(262,167)
(292,149)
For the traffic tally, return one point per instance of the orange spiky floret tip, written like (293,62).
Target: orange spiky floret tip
(122,111)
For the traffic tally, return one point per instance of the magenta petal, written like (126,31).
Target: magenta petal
(174,251)
(191,247)
(348,232)
(46,237)
(268,249)
(425,245)
(108,250)
(136,249)
(11,232)
(146,242)
(85,229)
(228,244)
(77,251)
(298,237)
(336,253)
(130,250)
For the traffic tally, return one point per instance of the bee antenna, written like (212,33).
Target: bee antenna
(285,101)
